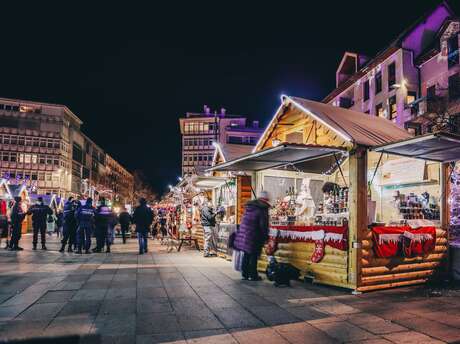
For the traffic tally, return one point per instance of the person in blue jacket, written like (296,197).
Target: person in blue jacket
(85,220)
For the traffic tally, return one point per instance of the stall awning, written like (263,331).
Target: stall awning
(441,147)
(204,182)
(285,156)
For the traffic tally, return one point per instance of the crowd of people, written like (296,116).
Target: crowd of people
(79,222)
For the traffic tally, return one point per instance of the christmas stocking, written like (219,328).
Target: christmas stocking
(318,253)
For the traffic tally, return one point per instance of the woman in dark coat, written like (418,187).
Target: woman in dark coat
(253,234)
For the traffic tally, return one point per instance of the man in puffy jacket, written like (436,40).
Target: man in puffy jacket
(70,225)
(252,234)
(103,219)
(85,222)
(143,218)
(125,219)
(208,221)
(17,216)
(40,213)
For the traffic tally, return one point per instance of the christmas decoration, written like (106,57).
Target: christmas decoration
(333,236)
(454,203)
(403,241)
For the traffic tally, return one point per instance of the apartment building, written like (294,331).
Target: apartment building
(200,130)
(120,181)
(42,145)
(401,81)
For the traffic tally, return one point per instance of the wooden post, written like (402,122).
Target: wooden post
(358,213)
(445,214)
(244,194)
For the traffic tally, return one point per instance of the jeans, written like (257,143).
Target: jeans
(249,265)
(84,237)
(39,227)
(143,242)
(209,240)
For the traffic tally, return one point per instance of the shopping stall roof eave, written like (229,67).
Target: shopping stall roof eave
(280,156)
(440,147)
(208,182)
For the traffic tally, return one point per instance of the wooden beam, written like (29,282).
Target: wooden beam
(358,212)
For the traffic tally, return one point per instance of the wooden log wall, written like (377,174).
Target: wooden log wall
(381,273)
(331,270)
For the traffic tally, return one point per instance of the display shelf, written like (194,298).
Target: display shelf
(408,184)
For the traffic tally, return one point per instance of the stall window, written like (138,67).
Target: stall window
(403,190)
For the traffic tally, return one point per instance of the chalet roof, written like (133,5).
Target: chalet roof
(232,151)
(356,127)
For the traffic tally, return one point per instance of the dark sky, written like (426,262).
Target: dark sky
(130,72)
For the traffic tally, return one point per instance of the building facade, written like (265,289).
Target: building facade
(200,130)
(42,146)
(402,81)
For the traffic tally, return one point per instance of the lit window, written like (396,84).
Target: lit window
(393,107)
(27,158)
(410,98)
(379,110)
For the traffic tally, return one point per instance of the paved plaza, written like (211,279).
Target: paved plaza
(184,298)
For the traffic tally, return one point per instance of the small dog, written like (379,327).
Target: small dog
(281,273)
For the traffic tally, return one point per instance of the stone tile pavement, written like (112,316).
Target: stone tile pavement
(162,297)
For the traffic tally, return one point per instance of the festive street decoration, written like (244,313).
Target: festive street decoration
(403,241)
(454,202)
(333,236)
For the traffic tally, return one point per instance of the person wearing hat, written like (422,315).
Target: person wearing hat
(40,213)
(252,234)
(17,216)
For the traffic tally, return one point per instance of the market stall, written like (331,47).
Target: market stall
(335,195)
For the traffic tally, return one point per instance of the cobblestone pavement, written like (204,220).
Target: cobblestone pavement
(184,298)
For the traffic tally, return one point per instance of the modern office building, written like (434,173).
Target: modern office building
(200,130)
(405,81)
(42,145)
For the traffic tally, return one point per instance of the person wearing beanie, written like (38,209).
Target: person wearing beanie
(253,234)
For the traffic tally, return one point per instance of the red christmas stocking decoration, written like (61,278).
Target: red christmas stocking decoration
(318,253)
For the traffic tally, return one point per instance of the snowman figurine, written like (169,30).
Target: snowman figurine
(305,204)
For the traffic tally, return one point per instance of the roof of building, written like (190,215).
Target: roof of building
(232,151)
(357,127)
(411,34)
(31,102)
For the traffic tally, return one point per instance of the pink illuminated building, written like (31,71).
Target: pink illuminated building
(402,81)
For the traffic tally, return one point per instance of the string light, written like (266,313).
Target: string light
(454,201)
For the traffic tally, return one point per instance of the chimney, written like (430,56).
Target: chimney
(222,111)
(255,124)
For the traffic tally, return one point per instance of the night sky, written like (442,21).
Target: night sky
(130,73)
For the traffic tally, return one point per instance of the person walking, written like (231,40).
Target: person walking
(85,224)
(40,213)
(69,225)
(142,218)
(253,234)
(208,221)
(125,220)
(17,216)
(102,221)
